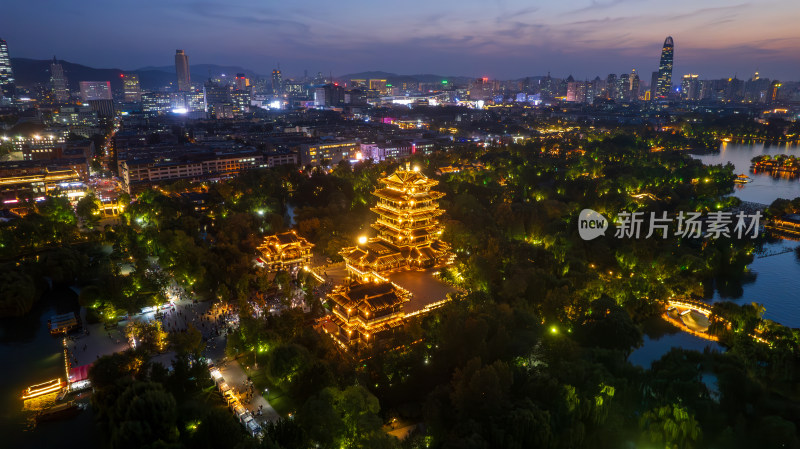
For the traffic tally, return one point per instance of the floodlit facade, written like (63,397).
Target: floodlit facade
(407,225)
(285,251)
(366,312)
(131,89)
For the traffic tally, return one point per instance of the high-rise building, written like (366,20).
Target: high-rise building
(690,87)
(182,71)
(611,86)
(242,83)
(329,95)
(379,85)
(58,82)
(131,89)
(633,89)
(95,90)
(623,87)
(664,82)
(277,82)
(773,92)
(6,74)
(218,100)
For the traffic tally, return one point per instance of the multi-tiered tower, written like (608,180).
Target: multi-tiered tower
(407,225)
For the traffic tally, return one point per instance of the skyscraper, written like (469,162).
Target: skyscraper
(58,82)
(131,89)
(633,92)
(242,83)
(773,92)
(690,87)
(664,81)
(182,70)
(6,75)
(277,82)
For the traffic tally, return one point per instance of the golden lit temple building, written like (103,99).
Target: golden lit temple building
(407,225)
(284,251)
(370,307)
(366,312)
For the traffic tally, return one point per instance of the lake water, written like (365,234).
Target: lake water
(31,355)
(776,279)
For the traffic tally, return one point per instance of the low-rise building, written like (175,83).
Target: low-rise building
(140,173)
(285,251)
(365,313)
(331,152)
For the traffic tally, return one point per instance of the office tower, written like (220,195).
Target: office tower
(690,87)
(329,95)
(380,84)
(664,82)
(734,89)
(95,90)
(131,89)
(277,82)
(653,85)
(773,94)
(623,86)
(182,71)
(6,74)
(480,89)
(595,88)
(633,89)
(242,83)
(219,102)
(611,86)
(58,82)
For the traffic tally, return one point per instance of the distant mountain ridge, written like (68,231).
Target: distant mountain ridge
(30,72)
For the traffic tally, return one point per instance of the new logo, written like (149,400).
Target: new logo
(591,224)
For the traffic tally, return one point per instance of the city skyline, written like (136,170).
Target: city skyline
(503,41)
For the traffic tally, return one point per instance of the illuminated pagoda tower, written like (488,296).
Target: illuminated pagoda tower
(407,225)
(284,251)
(369,307)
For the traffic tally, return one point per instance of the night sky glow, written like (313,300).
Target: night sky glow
(499,39)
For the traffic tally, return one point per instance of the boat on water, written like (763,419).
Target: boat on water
(60,411)
(51,386)
(742,179)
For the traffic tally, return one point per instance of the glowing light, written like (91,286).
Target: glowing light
(362,240)
(43,388)
(416,168)
(180,111)
(553,330)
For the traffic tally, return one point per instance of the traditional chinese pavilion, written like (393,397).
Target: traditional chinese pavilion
(366,312)
(407,225)
(370,307)
(284,251)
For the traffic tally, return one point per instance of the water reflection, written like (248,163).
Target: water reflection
(763,188)
(773,280)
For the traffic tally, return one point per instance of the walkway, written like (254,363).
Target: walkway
(236,378)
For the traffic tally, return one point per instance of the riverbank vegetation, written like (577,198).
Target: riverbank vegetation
(534,353)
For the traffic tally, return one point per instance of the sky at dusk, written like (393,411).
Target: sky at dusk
(500,39)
